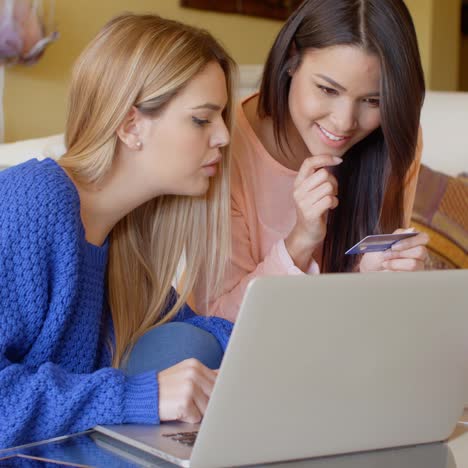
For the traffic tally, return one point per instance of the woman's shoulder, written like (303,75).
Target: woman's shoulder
(37,190)
(244,133)
(251,138)
(246,146)
(43,179)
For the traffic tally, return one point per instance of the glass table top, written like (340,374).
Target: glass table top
(91,449)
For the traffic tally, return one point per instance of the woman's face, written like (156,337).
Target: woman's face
(334,98)
(181,147)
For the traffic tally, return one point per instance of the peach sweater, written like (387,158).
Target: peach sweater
(263,214)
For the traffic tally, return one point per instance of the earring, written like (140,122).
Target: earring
(139,145)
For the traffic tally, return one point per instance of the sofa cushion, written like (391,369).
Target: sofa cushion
(441,210)
(443,120)
(40,148)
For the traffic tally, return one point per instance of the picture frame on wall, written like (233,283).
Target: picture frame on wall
(273,9)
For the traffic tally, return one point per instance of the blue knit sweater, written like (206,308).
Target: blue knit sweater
(54,361)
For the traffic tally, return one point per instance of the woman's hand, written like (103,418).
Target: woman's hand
(315,192)
(406,255)
(184,391)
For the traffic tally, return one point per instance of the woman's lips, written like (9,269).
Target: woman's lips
(211,167)
(330,138)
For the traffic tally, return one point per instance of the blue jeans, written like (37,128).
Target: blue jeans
(169,344)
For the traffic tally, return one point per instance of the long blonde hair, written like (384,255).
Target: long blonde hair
(144,61)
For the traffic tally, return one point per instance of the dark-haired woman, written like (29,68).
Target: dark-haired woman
(327,152)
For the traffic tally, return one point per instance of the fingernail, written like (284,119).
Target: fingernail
(337,159)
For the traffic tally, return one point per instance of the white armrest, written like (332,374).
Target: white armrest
(444,121)
(40,148)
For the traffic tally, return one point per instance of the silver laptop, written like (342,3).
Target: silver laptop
(327,365)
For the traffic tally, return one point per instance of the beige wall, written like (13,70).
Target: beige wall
(35,97)
(437,24)
(422,13)
(445,45)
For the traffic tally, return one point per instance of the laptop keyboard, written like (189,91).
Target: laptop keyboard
(186,438)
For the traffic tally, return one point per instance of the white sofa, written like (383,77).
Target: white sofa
(14,153)
(444,121)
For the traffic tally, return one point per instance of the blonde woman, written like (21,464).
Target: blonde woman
(89,245)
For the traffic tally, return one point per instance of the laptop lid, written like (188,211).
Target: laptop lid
(330,364)
(339,363)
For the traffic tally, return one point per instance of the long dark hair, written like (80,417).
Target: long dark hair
(372,176)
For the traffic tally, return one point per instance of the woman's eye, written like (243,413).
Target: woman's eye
(327,91)
(200,122)
(372,102)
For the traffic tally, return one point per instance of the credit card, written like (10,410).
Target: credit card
(378,242)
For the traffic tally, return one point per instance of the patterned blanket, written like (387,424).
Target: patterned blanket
(441,210)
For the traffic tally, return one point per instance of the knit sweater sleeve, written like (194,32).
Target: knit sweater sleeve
(48,401)
(40,395)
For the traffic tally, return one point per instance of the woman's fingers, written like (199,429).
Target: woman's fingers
(404,264)
(314,194)
(317,179)
(371,261)
(310,165)
(420,239)
(184,391)
(321,206)
(413,259)
(203,379)
(406,255)
(200,399)
(419,253)
(317,194)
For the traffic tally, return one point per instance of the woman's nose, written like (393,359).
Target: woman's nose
(344,118)
(221,136)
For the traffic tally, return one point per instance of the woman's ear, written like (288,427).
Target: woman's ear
(131,129)
(294,59)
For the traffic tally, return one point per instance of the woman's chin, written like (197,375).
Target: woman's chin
(199,188)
